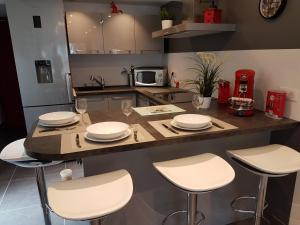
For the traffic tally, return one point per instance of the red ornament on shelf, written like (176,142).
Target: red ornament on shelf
(213,14)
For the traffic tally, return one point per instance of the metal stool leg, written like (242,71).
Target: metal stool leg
(40,180)
(192,209)
(260,206)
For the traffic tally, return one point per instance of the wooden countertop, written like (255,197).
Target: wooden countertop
(48,148)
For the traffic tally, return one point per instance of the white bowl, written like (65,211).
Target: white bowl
(107,130)
(192,120)
(56,118)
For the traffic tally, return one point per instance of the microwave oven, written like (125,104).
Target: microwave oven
(150,76)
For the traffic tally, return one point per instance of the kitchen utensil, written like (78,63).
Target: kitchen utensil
(123,136)
(275,105)
(56,129)
(170,128)
(77,141)
(135,133)
(207,126)
(76,119)
(57,118)
(217,125)
(192,120)
(107,130)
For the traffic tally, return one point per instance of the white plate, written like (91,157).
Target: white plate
(192,120)
(57,118)
(107,130)
(75,120)
(174,124)
(125,135)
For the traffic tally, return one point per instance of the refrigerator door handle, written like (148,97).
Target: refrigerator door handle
(69,87)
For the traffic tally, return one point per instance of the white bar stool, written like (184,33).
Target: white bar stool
(91,198)
(196,175)
(14,153)
(266,161)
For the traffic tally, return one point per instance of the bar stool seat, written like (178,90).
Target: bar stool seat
(265,161)
(90,198)
(198,173)
(273,159)
(195,175)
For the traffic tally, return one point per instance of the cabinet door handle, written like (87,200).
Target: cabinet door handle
(119,51)
(150,51)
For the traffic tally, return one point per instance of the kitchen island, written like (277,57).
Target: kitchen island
(154,197)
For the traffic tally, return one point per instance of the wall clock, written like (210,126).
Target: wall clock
(270,9)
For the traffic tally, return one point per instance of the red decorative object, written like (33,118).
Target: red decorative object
(114,8)
(275,105)
(224,91)
(213,15)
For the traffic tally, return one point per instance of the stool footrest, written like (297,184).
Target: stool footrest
(242,210)
(184,211)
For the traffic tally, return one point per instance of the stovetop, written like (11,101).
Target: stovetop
(180,97)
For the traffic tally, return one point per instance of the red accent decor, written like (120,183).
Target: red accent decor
(114,8)
(275,105)
(213,15)
(224,91)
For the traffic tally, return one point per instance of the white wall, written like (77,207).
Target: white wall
(274,69)
(109,66)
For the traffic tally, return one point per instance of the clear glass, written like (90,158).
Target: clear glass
(81,106)
(196,101)
(127,107)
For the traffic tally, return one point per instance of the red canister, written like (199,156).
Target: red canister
(275,104)
(224,91)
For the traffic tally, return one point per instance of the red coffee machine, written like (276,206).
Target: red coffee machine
(242,103)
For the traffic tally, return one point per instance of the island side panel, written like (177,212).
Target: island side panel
(154,197)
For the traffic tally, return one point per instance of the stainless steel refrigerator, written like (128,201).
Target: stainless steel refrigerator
(40,49)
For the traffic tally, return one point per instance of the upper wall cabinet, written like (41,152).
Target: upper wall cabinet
(145,44)
(118,32)
(85,33)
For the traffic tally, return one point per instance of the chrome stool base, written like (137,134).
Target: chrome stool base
(191,212)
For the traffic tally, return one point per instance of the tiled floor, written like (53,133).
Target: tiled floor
(19,200)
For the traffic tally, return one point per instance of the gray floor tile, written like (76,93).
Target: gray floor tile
(27,216)
(6,170)
(3,185)
(20,194)
(68,222)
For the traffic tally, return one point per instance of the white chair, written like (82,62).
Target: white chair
(195,175)
(266,161)
(15,153)
(91,198)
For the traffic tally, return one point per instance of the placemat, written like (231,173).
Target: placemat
(68,141)
(158,109)
(167,133)
(75,128)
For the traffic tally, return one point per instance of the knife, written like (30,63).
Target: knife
(78,141)
(170,128)
(56,129)
(217,125)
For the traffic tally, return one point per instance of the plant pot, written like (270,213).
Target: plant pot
(204,102)
(166,24)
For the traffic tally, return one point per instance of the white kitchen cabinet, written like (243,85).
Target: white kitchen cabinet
(97,103)
(118,34)
(115,101)
(144,26)
(85,32)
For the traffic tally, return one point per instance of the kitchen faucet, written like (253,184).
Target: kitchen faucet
(99,80)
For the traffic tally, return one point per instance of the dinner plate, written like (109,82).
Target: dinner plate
(192,121)
(91,138)
(75,120)
(57,118)
(107,130)
(207,126)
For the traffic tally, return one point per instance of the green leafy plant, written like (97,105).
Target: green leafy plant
(165,14)
(207,69)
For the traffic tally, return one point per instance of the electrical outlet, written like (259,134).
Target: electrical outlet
(293,94)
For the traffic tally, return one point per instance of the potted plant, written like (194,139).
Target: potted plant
(207,69)
(166,18)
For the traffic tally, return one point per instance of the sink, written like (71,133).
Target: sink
(95,88)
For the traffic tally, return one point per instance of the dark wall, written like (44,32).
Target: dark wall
(253,32)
